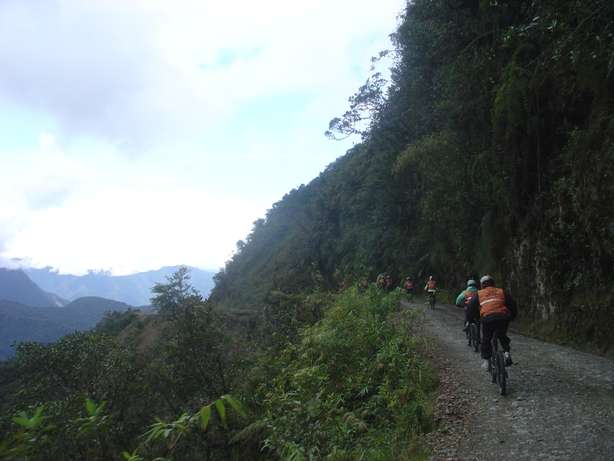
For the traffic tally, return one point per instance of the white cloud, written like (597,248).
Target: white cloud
(171,82)
(127,230)
(109,219)
(137,71)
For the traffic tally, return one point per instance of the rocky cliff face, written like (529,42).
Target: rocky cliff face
(561,297)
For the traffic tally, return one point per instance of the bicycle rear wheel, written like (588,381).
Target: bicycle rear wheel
(501,374)
(494,353)
(493,369)
(474,340)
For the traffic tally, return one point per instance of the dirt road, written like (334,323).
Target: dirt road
(560,404)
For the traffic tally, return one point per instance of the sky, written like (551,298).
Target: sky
(143,133)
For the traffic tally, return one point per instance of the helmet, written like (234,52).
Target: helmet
(472,283)
(430,277)
(486,279)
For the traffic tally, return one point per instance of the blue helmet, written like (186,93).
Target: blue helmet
(472,283)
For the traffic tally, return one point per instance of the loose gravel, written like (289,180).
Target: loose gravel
(560,402)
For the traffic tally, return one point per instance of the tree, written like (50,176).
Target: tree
(177,296)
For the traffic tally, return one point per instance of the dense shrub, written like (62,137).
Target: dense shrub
(353,387)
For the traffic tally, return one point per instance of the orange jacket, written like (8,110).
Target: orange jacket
(492,302)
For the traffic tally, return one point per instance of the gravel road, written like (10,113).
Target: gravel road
(560,402)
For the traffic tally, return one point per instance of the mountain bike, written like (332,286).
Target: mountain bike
(473,336)
(496,366)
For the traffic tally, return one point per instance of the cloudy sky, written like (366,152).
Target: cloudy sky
(136,134)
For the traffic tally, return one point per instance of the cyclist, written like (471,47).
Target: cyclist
(431,285)
(408,285)
(388,283)
(431,288)
(464,299)
(495,309)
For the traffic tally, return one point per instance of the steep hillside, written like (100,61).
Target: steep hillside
(17,287)
(23,323)
(134,289)
(490,151)
(46,324)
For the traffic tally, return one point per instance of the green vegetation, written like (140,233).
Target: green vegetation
(155,366)
(345,383)
(353,387)
(490,151)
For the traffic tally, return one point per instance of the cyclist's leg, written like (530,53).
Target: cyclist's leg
(467,319)
(488,328)
(503,338)
(505,341)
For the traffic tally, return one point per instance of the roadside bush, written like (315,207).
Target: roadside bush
(353,387)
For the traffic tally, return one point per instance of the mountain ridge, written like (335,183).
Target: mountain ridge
(17,286)
(19,322)
(133,289)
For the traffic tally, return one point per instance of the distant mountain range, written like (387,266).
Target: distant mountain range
(19,322)
(16,286)
(134,289)
(42,305)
